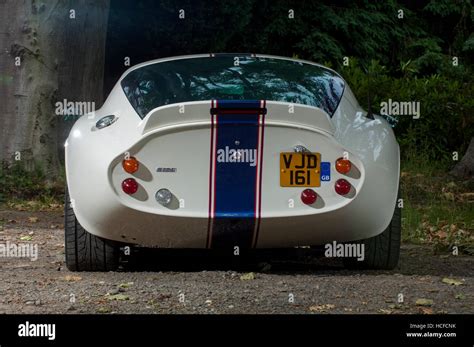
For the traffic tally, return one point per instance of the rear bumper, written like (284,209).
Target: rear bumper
(355,221)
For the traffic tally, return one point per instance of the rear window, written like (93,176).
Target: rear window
(231,78)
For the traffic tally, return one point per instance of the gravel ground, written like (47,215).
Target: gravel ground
(283,282)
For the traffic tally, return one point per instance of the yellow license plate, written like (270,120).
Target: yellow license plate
(300,169)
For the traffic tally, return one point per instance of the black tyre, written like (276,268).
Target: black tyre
(382,251)
(84,251)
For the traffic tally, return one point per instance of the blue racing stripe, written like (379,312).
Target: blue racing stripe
(236,175)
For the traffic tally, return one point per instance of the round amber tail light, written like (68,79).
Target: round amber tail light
(343,166)
(130,165)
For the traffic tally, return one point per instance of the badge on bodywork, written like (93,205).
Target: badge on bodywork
(166,169)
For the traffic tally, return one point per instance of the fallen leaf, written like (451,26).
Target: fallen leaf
(321,308)
(103,310)
(385,311)
(71,278)
(467,196)
(119,297)
(248,276)
(33,219)
(426,310)
(449,196)
(451,185)
(460,296)
(451,281)
(424,302)
(26,238)
(125,285)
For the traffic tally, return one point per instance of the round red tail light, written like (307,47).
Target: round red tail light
(129,186)
(343,166)
(342,187)
(308,196)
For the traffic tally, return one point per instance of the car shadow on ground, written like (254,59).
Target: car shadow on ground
(414,260)
(275,260)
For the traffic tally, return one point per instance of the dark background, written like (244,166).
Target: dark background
(322,31)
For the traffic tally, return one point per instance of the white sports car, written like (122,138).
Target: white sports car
(230,150)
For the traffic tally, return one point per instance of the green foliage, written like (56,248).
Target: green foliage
(445,8)
(18,183)
(450,21)
(469,44)
(426,56)
(446,107)
(314,30)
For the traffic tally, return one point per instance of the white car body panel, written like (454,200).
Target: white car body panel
(169,138)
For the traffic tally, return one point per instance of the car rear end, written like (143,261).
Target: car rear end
(234,170)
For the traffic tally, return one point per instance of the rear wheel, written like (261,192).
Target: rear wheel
(84,251)
(382,251)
